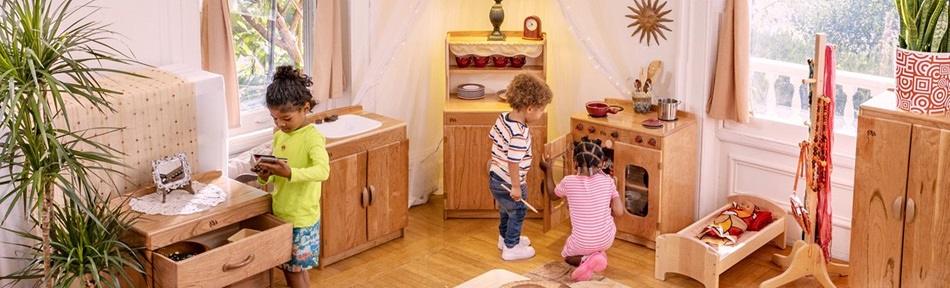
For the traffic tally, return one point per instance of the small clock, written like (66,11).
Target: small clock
(532,28)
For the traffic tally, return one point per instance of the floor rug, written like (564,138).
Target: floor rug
(558,274)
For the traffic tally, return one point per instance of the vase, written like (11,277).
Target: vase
(497,16)
(922,81)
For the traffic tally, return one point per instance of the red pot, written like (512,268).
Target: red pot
(500,61)
(482,61)
(600,109)
(463,61)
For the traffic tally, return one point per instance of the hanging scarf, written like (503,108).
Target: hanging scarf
(825,135)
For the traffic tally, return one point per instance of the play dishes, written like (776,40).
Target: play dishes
(182,250)
(471,91)
(502,94)
(600,109)
(652,123)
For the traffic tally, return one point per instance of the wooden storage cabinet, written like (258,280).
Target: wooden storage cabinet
(467,123)
(902,179)
(365,202)
(242,263)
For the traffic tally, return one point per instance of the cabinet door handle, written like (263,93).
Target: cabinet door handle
(246,261)
(364,198)
(911,210)
(372,194)
(896,207)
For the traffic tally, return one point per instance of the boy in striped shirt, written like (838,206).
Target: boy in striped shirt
(511,159)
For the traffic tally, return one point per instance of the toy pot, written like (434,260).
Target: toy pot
(482,61)
(463,61)
(600,109)
(667,111)
(500,61)
(517,61)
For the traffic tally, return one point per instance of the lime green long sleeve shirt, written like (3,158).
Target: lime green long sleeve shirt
(297,200)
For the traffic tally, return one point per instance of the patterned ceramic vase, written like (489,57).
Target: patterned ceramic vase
(923,81)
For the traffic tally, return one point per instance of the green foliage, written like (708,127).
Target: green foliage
(864,30)
(923,25)
(51,56)
(86,245)
(261,43)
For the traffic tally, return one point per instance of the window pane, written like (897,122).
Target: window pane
(865,32)
(267,34)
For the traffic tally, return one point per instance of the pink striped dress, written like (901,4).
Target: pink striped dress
(589,198)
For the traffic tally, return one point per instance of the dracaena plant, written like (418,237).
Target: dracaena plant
(923,25)
(50,55)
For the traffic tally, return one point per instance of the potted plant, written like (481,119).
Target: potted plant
(50,55)
(86,247)
(922,60)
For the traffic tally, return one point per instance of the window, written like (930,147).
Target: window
(267,34)
(783,38)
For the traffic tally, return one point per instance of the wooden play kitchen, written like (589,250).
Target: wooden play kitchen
(655,168)
(468,118)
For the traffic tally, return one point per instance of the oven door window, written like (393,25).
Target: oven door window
(636,190)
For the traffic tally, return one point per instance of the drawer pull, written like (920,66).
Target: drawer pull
(372,194)
(911,211)
(246,261)
(364,198)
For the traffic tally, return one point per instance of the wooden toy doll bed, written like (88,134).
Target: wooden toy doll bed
(683,253)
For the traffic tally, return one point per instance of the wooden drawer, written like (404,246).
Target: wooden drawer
(227,263)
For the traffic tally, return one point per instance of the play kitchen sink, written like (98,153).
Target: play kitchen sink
(346,126)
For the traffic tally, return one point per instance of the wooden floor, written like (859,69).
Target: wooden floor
(445,253)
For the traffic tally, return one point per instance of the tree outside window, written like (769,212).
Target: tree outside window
(267,34)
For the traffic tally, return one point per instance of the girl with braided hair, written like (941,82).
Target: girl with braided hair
(593,198)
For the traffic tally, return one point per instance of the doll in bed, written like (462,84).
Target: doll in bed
(732,222)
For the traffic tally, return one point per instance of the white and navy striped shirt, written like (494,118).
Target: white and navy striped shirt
(511,142)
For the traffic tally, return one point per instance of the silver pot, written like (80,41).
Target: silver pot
(667,109)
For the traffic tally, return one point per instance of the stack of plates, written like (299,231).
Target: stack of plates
(471,91)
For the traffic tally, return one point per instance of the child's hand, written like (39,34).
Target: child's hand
(545,163)
(280,168)
(514,193)
(262,173)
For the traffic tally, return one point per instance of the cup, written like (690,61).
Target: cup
(500,61)
(517,61)
(463,61)
(482,61)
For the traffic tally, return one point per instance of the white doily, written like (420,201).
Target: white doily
(180,202)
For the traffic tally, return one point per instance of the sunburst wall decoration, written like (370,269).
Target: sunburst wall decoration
(648,18)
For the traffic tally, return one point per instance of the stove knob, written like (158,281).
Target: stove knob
(639,139)
(579,127)
(652,142)
(591,129)
(614,134)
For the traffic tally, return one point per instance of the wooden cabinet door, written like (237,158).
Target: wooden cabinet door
(466,152)
(388,181)
(635,158)
(560,151)
(880,172)
(343,222)
(927,229)
(535,177)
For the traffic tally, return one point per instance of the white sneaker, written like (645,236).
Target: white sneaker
(524,242)
(517,253)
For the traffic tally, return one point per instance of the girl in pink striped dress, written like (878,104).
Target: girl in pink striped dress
(593,200)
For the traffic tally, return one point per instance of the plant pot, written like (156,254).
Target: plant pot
(923,81)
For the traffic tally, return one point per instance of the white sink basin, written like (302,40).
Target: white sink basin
(346,126)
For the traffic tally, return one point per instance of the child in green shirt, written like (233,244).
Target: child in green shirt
(297,187)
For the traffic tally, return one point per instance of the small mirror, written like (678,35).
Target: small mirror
(171,173)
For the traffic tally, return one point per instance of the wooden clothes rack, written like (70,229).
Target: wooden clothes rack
(807,258)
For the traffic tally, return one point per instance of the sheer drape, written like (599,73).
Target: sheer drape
(730,94)
(217,53)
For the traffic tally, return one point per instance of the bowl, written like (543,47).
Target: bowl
(503,94)
(182,250)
